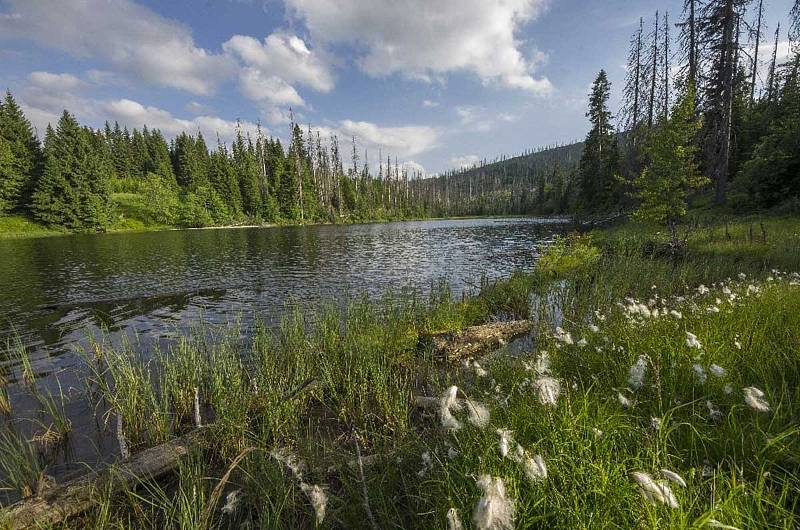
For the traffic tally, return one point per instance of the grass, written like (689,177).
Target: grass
(272,437)
(17,226)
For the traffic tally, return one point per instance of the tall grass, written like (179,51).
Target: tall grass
(289,406)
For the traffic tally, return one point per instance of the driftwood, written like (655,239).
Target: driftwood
(76,496)
(456,345)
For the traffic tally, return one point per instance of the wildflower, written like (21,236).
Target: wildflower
(655,423)
(713,411)
(654,491)
(593,328)
(636,373)
(700,373)
(692,342)
(548,390)
(506,440)
(717,370)
(737,344)
(597,432)
(535,468)
(755,398)
(625,402)
(494,511)
(231,502)
(453,520)
(674,477)
(319,500)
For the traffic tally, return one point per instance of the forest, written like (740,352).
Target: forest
(695,86)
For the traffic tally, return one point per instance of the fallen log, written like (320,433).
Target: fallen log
(457,345)
(72,498)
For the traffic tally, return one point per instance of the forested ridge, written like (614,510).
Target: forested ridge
(698,119)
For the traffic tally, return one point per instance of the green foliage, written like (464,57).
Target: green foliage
(20,156)
(671,173)
(203,207)
(73,190)
(568,256)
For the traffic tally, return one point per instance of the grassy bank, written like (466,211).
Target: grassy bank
(641,360)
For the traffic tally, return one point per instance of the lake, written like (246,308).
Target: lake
(56,292)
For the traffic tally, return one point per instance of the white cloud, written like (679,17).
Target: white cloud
(405,141)
(421,39)
(258,86)
(430,104)
(285,56)
(414,168)
(197,108)
(123,34)
(464,161)
(52,81)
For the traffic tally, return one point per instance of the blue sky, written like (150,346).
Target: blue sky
(437,83)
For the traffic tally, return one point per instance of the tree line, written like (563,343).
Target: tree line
(697,117)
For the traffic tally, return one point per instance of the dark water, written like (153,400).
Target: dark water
(55,292)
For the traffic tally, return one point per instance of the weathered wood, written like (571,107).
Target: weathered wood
(76,496)
(456,345)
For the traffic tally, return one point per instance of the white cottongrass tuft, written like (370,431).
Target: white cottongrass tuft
(479,370)
(318,498)
(453,520)
(597,432)
(655,423)
(699,373)
(593,328)
(478,414)
(636,373)
(624,401)
(563,336)
(582,343)
(506,439)
(547,390)
(535,468)
(702,289)
(755,399)
(713,411)
(692,342)
(449,400)
(673,477)
(728,388)
(676,314)
(286,458)
(494,511)
(653,491)
(231,502)
(452,454)
(716,370)
(742,276)
(542,366)
(427,464)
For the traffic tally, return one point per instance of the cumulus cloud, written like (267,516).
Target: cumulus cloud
(123,34)
(283,55)
(405,141)
(52,81)
(430,104)
(476,118)
(259,86)
(423,39)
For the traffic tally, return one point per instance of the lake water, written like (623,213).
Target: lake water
(55,292)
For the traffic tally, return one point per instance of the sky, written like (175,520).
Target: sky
(436,83)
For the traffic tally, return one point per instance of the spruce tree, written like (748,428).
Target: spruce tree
(599,163)
(246,165)
(24,167)
(73,189)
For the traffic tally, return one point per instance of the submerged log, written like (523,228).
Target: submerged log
(457,345)
(72,498)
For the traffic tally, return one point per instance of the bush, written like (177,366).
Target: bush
(569,256)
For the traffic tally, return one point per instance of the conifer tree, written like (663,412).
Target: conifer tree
(599,163)
(73,189)
(224,181)
(672,172)
(24,164)
(247,171)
